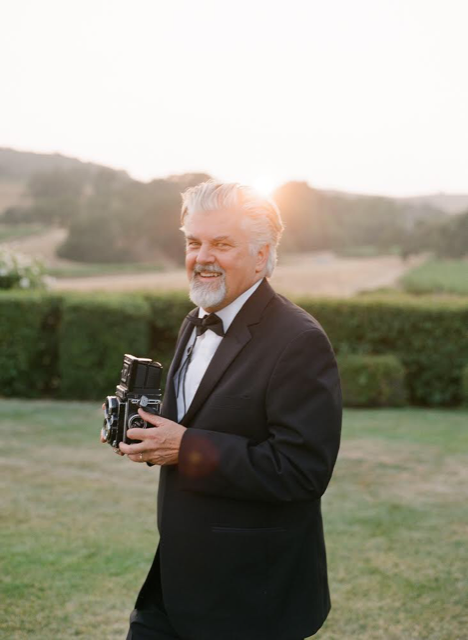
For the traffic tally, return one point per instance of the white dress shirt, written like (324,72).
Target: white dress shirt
(203,349)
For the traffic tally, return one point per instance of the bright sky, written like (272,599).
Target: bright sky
(360,95)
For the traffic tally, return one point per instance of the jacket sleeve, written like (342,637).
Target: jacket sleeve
(303,407)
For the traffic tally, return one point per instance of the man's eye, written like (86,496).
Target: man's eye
(192,243)
(222,245)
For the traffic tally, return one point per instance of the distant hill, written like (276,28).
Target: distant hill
(12,194)
(448,202)
(16,167)
(109,215)
(19,166)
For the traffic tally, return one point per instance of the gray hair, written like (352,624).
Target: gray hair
(263,213)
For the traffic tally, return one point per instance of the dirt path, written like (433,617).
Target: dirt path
(322,274)
(325,274)
(312,274)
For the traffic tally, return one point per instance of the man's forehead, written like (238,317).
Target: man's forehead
(218,214)
(218,224)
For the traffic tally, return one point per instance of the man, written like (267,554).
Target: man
(247,444)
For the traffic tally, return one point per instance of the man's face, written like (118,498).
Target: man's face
(219,265)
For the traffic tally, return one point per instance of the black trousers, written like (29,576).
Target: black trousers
(151,622)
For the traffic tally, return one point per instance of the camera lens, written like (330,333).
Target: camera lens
(111,418)
(136,422)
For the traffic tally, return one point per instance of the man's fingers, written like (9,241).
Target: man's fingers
(132,449)
(137,458)
(150,417)
(141,434)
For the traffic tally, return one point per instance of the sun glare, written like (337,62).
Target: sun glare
(264,185)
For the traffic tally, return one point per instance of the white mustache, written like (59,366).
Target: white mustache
(210,268)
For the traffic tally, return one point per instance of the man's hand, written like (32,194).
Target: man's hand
(160,444)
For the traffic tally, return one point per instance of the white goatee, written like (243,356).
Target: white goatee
(208,294)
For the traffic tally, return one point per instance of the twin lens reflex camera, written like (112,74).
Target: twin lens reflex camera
(140,386)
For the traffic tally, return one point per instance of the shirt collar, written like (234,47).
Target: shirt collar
(227,314)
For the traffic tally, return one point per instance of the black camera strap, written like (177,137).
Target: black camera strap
(182,376)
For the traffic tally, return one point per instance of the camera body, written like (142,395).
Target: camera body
(139,386)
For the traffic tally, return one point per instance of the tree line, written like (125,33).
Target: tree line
(113,218)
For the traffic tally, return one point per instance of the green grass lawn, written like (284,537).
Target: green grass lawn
(78,526)
(438,276)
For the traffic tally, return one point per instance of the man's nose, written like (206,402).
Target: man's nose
(205,254)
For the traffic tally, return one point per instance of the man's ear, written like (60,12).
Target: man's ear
(262,257)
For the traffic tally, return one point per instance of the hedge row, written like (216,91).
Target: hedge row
(465,386)
(93,336)
(29,344)
(372,381)
(71,346)
(428,336)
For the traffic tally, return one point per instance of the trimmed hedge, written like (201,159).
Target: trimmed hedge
(465,386)
(72,346)
(28,344)
(372,381)
(428,336)
(167,310)
(93,336)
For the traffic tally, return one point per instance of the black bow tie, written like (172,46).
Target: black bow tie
(211,321)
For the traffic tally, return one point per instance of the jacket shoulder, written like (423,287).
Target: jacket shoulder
(284,315)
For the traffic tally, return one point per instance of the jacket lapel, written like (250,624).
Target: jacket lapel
(237,336)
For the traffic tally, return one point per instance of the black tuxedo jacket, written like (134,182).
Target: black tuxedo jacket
(242,549)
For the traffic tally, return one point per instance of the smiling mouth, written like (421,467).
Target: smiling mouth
(208,275)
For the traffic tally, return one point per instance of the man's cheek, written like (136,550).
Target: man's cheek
(189,265)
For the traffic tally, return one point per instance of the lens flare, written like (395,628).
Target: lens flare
(265,185)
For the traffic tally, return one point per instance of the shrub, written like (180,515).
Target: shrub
(428,336)
(82,339)
(166,315)
(28,344)
(465,385)
(21,272)
(93,337)
(372,381)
